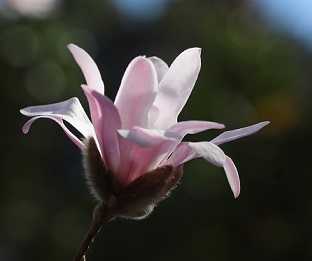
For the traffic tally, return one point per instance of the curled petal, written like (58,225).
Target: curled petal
(137,93)
(213,154)
(176,87)
(26,127)
(228,136)
(160,66)
(88,68)
(69,110)
(232,175)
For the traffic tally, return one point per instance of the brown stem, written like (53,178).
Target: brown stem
(101,215)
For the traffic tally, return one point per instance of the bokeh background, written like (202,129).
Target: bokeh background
(256,65)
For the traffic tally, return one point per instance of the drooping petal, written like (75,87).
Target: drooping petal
(88,67)
(160,66)
(176,87)
(228,136)
(69,110)
(137,93)
(71,136)
(106,121)
(232,175)
(187,151)
(141,151)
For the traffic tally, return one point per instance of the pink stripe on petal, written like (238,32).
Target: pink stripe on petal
(106,121)
(137,93)
(88,68)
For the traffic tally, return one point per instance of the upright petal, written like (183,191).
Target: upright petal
(69,110)
(176,87)
(160,66)
(137,93)
(212,153)
(228,136)
(106,121)
(88,68)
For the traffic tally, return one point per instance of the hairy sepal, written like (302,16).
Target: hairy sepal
(138,199)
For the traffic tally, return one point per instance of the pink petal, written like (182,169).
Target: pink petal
(88,68)
(232,176)
(106,121)
(69,110)
(160,66)
(137,93)
(228,136)
(176,87)
(141,150)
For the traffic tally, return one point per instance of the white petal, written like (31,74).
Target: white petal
(88,68)
(71,136)
(160,66)
(228,136)
(69,110)
(187,151)
(209,152)
(176,87)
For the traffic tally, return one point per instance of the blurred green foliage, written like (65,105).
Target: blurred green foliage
(248,74)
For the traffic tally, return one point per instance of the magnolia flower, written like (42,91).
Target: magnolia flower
(133,148)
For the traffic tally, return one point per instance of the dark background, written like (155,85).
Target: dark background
(252,70)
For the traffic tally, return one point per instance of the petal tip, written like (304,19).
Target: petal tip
(236,194)
(71,46)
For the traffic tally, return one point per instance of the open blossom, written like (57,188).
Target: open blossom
(138,134)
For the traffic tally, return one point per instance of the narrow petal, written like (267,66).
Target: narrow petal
(137,93)
(26,127)
(69,110)
(106,121)
(213,154)
(232,176)
(176,87)
(88,68)
(192,127)
(160,66)
(141,150)
(228,136)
